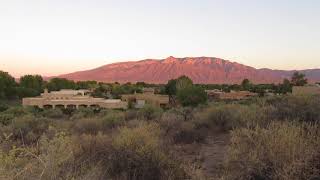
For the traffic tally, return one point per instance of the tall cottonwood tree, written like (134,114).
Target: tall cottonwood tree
(298,79)
(7,85)
(33,84)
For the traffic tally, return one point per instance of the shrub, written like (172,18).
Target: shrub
(131,114)
(219,117)
(101,123)
(83,113)
(138,155)
(53,113)
(304,108)
(87,126)
(28,128)
(170,122)
(91,154)
(3,107)
(36,111)
(57,154)
(113,119)
(6,119)
(59,157)
(149,112)
(226,117)
(16,111)
(169,119)
(186,112)
(68,111)
(92,146)
(12,163)
(49,162)
(187,133)
(177,130)
(283,150)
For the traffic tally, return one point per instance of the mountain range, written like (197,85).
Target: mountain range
(207,70)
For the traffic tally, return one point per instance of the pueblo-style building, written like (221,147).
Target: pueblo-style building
(138,100)
(72,99)
(233,95)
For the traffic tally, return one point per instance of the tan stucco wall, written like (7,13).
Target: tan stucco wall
(71,98)
(154,99)
(235,95)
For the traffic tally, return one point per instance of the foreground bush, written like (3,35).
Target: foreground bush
(113,119)
(138,155)
(304,108)
(260,112)
(181,130)
(133,154)
(53,113)
(82,113)
(281,151)
(266,141)
(87,126)
(149,112)
(24,129)
(5,119)
(225,117)
(3,106)
(16,111)
(94,125)
(49,163)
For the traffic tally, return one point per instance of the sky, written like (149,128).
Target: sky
(51,37)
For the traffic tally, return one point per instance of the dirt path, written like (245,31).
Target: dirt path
(213,154)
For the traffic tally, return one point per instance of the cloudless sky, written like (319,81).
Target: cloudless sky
(51,37)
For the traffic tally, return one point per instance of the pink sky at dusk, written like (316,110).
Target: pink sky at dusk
(56,37)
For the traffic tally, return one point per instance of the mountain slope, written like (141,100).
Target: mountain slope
(199,69)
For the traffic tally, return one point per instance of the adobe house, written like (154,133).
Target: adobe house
(233,95)
(310,89)
(72,99)
(147,97)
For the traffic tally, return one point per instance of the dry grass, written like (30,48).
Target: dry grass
(283,150)
(276,138)
(226,117)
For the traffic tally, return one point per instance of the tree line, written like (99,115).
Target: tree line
(34,85)
(180,88)
(297,79)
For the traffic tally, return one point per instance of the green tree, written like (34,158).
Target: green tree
(87,85)
(171,88)
(22,92)
(31,85)
(246,84)
(235,87)
(102,91)
(183,82)
(141,84)
(285,87)
(7,85)
(259,90)
(57,84)
(192,96)
(298,79)
(128,88)
(174,85)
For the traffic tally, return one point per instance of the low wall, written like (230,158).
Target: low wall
(108,104)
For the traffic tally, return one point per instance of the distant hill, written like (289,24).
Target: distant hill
(199,69)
